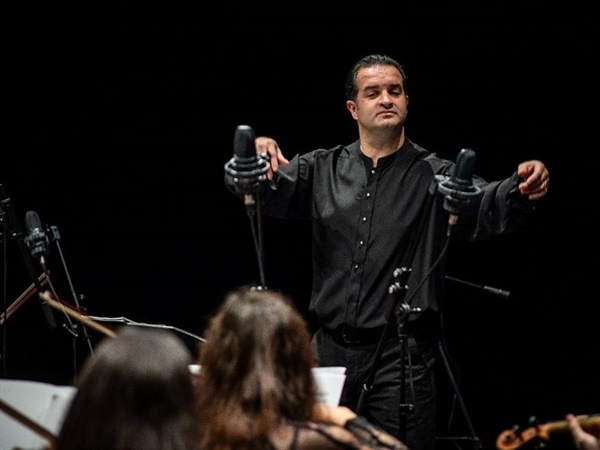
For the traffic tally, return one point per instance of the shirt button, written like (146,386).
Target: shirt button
(372,171)
(361,243)
(364,219)
(368,194)
(355,266)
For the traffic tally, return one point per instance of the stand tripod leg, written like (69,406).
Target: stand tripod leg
(404,408)
(474,439)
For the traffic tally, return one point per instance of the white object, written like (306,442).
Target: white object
(43,403)
(330,383)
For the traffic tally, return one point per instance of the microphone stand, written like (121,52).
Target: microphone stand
(55,237)
(253,209)
(398,315)
(12,225)
(453,382)
(247,173)
(402,312)
(491,290)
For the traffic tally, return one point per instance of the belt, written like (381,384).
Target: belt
(355,336)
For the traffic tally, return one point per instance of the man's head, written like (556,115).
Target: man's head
(371,61)
(377,98)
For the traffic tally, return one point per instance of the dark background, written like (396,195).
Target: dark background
(121,116)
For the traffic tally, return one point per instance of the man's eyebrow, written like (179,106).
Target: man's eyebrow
(379,86)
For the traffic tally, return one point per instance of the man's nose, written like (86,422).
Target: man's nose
(386,97)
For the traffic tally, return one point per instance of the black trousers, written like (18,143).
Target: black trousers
(382,403)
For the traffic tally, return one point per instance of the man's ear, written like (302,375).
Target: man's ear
(351,106)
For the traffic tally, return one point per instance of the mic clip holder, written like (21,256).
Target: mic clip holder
(247,174)
(457,196)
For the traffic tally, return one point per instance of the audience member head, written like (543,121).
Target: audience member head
(134,392)
(256,369)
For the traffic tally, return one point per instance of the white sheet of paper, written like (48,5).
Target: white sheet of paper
(330,383)
(43,403)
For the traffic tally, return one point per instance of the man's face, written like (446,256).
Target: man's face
(381,101)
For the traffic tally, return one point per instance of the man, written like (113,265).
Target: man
(375,209)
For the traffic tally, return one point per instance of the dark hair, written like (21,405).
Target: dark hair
(371,61)
(135,391)
(256,370)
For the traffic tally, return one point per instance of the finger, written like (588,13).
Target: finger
(534,184)
(537,194)
(269,149)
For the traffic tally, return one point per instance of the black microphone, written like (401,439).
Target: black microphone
(247,170)
(458,189)
(37,240)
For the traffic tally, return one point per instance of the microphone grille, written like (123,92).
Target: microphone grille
(243,142)
(32,220)
(465,166)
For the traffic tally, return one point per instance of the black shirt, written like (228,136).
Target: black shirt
(369,221)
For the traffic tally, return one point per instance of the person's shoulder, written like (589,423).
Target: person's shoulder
(373,435)
(324,436)
(422,152)
(337,151)
(436,162)
(358,433)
